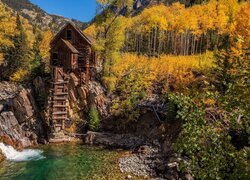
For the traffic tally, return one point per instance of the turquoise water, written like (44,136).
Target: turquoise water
(67,161)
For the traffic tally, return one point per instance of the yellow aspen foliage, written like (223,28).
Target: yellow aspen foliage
(20,75)
(1,58)
(154,17)
(45,44)
(157,69)
(138,76)
(7,26)
(91,30)
(192,24)
(44,48)
(28,28)
(242,25)
(177,29)
(221,19)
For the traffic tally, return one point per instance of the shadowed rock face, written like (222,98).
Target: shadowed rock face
(11,132)
(82,96)
(20,125)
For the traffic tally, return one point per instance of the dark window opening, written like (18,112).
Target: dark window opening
(55,59)
(69,34)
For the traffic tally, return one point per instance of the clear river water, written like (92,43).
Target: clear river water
(64,161)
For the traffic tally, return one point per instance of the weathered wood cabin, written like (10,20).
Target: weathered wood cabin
(71,51)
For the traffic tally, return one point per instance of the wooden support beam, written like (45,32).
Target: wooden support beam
(60,82)
(58,118)
(59,113)
(60,93)
(59,98)
(59,106)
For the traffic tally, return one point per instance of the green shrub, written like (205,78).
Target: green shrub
(207,144)
(171,111)
(94,120)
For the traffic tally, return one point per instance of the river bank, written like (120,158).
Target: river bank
(147,152)
(132,157)
(143,158)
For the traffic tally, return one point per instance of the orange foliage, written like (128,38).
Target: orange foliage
(199,18)
(137,76)
(151,71)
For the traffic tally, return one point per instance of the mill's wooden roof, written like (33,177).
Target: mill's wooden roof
(87,37)
(70,46)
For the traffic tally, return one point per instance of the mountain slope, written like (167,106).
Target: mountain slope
(141,4)
(38,16)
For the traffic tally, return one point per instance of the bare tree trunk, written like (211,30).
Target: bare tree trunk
(188,43)
(154,43)
(149,44)
(201,41)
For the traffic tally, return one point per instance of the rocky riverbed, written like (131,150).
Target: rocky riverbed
(143,158)
(144,161)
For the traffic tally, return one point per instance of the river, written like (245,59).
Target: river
(60,161)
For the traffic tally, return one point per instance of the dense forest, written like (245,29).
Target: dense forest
(23,47)
(193,54)
(197,58)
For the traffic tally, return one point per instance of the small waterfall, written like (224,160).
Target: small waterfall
(26,155)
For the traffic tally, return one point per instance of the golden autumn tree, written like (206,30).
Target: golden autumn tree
(45,48)
(111,33)
(7,30)
(181,30)
(19,56)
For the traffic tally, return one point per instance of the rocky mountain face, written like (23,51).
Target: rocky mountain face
(39,17)
(139,5)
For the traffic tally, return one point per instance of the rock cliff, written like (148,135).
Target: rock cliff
(81,97)
(24,118)
(20,122)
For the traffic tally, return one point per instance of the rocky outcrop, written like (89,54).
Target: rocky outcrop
(11,132)
(20,122)
(124,141)
(27,114)
(8,90)
(82,96)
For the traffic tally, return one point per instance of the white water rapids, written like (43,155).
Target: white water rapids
(26,155)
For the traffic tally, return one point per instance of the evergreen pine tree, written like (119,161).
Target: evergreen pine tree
(94,120)
(21,45)
(18,56)
(222,76)
(36,63)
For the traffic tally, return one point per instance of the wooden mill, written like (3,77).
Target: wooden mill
(71,51)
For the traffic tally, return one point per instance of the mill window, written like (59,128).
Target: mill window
(55,59)
(69,34)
